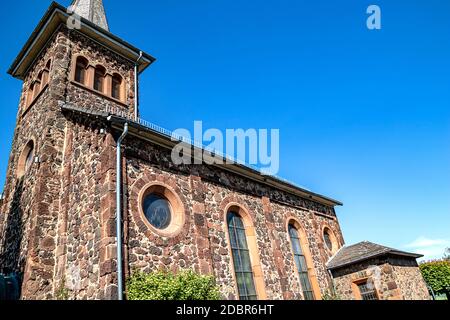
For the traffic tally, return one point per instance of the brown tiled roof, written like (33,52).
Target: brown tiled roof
(362,251)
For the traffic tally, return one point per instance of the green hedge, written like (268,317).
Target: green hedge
(437,275)
(161,285)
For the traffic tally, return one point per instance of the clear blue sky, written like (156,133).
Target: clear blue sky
(364,116)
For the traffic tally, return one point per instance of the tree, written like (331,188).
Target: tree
(162,285)
(437,276)
(447,254)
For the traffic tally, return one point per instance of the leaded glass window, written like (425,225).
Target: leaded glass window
(241,257)
(99,78)
(300,262)
(80,70)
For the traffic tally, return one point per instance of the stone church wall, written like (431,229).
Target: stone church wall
(30,205)
(202,245)
(59,216)
(410,280)
(58,222)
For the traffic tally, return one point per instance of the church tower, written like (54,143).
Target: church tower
(71,61)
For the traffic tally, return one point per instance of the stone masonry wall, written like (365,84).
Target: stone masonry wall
(410,280)
(86,228)
(58,223)
(87,246)
(202,246)
(31,204)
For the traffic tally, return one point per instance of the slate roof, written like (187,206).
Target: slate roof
(365,250)
(91,10)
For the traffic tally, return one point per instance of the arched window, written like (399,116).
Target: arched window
(44,78)
(327,239)
(80,70)
(30,94)
(241,257)
(330,240)
(99,78)
(301,263)
(45,73)
(37,87)
(25,159)
(116,87)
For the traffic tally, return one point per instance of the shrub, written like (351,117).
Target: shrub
(62,293)
(331,294)
(162,285)
(437,275)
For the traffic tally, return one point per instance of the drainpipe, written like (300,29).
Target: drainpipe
(136,86)
(119,212)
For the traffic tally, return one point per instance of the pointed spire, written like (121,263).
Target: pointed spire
(91,10)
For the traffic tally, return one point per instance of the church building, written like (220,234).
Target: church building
(91,192)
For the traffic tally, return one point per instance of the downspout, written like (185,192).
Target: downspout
(136,86)
(119,183)
(119,212)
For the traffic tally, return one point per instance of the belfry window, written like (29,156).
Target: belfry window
(46,73)
(80,70)
(36,88)
(99,78)
(301,263)
(116,88)
(241,257)
(30,95)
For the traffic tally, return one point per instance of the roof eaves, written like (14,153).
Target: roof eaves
(243,170)
(60,11)
(372,256)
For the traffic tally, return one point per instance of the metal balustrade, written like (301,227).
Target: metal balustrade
(129,116)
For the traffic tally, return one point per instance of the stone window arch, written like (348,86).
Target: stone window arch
(99,78)
(26,159)
(304,265)
(246,265)
(80,73)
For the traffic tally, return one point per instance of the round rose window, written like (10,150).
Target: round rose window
(157,210)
